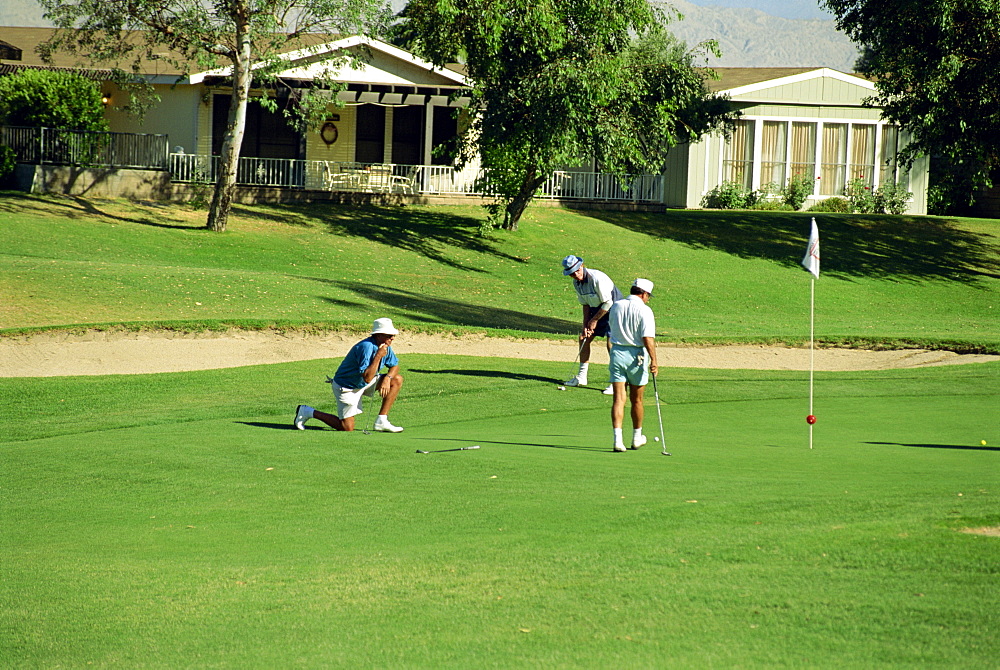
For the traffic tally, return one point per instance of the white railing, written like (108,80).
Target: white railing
(409,179)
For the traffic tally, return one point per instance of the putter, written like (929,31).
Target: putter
(368,421)
(659,416)
(438,451)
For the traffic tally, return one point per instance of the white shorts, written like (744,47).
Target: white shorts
(349,400)
(629,364)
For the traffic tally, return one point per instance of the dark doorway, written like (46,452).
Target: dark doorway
(444,140)
(370,139)
(407,135)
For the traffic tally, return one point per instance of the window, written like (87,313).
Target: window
(890,147)
(803,159)
(833,168)
(267,134)
(773,153)
(863,153)
(737,166)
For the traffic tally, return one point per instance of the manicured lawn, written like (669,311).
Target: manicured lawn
(721,276)
(177,520)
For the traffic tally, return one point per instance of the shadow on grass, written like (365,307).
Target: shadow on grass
(964,447)
(424,309)
(277,426)
(434,235)
(492,374)
(515,444)
(895,248)
(73,207)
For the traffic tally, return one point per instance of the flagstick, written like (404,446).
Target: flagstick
(812,351)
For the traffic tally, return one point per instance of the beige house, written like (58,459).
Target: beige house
(399,116)
(796,121)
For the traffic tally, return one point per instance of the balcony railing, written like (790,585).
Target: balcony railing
(407,179)
(56,146)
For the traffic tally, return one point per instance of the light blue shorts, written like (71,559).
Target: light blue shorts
(629,364)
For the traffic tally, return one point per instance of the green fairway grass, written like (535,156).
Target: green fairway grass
(720,276)
(178,520)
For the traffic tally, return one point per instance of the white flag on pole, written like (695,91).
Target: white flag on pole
(811,260)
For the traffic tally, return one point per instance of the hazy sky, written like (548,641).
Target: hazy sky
(789,9)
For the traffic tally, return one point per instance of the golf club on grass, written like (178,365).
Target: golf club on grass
(438,451)
(368,421)
(659,416)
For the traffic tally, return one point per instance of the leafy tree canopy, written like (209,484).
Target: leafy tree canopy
(556,81)
(936,67)
(51,99)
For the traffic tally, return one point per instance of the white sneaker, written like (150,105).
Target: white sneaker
(609,391)
(576,380)
(639,441)
(302,414)
(383,426)
(620,446)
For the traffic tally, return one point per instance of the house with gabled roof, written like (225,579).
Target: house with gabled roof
(401,114)
(396,108)
(795,121)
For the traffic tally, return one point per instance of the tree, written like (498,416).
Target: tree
(248,36)
(936,68)
(557,81)
(48,99)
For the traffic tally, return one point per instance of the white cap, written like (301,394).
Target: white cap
(383,327)
(644,284)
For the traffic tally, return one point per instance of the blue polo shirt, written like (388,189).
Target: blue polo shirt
(350,374)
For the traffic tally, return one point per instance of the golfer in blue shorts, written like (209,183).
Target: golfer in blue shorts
(596,293)
(633,358)
(358,376)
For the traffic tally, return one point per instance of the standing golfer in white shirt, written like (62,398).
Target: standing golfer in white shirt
(633,358)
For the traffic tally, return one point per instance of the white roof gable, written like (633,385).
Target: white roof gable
(388,65)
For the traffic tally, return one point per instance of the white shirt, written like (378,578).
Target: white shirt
(631,320)
(595,290)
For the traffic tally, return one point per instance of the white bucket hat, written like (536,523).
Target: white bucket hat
(383,327)
(571,264)
(644,285)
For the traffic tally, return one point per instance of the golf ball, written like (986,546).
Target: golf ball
(656,439)
(561,388)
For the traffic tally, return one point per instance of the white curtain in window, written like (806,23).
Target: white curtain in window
(738,166)
(803,149)
(862,152)
(773,152)
(890,147)
(834,166)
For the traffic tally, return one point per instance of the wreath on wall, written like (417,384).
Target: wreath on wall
(328,132)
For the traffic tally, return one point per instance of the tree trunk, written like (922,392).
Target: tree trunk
(225,184)
(515,208)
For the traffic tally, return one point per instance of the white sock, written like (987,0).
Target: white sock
(636,434)
(583,369)
(382,418)
(618,435)
(308,411)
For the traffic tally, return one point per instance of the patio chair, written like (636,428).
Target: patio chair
(406,183)
(379,179)
(335,180)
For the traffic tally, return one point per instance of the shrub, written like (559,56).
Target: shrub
(859,193)
(44,98)
(730,195)
(835,204)
(8,161)
(797,190)
(773,206)
(892,198)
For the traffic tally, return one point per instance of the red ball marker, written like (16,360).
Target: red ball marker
(810,419)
